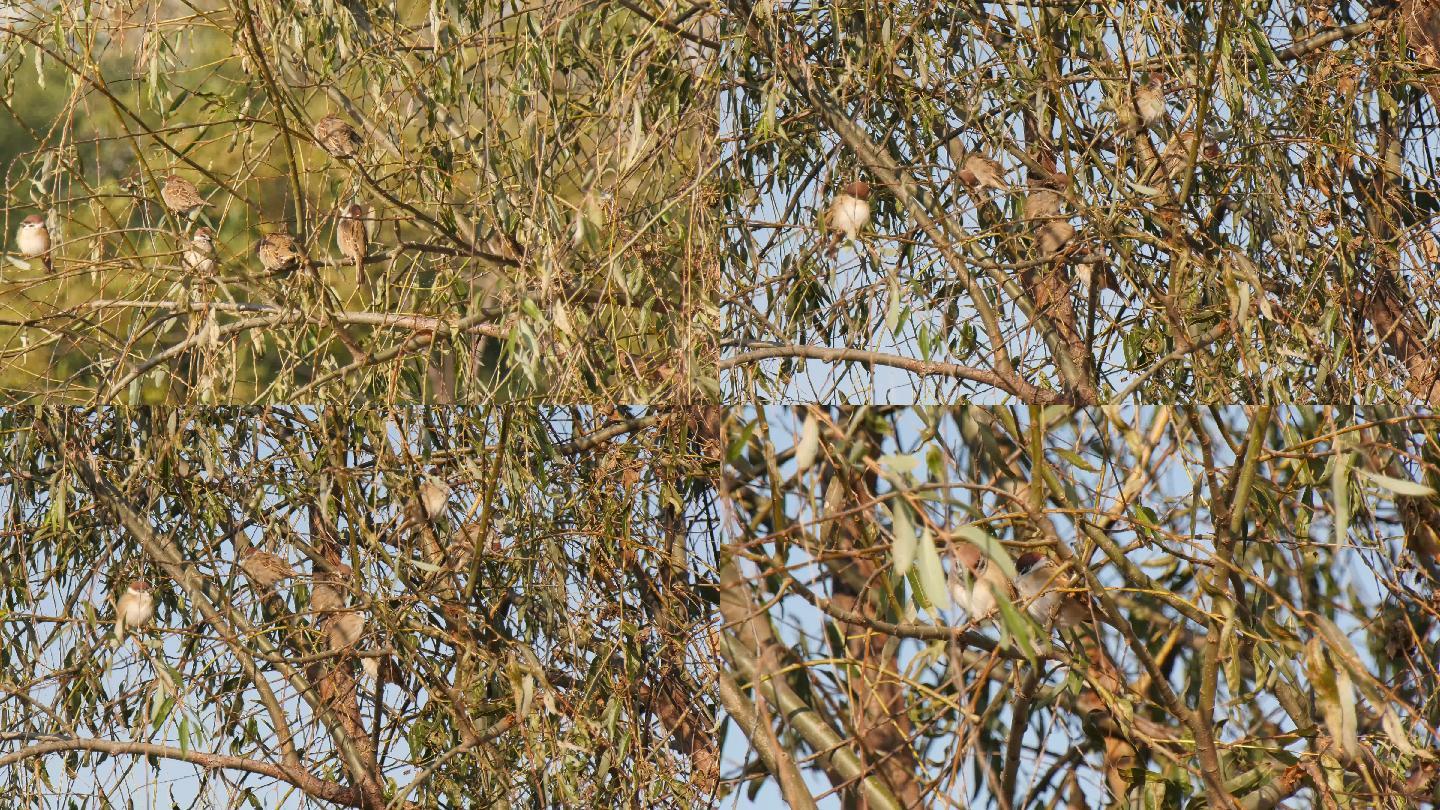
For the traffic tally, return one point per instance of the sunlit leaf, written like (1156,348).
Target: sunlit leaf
(1397,485)
(903,549)
(932,573)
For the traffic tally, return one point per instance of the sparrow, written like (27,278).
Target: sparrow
(199,258)
(1150,101)
(265,568)
(975,170)
(978,583)
(33,239)
(351,238)
(1041,588)
(979,172)
(181,197)
(344,628)
(337,137)
(328,595)
(134,610)
(434,496)
(278,252)
(468,538)
(1146,107)
(1051,229)
(848,214)
(1177,151)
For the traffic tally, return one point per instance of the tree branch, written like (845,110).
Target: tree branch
(300,777)
(1011,384)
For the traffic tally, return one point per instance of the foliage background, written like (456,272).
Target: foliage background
(536,178)
(565,664)
(1271,571)
(1299,266)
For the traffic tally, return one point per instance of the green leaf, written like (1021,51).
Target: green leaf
(738,446)
(1335,694)
(1399,486)
(894,307)
(161,714)
(1340,493)
(989,546)
(899,463)
(809,445)
(1016,626)
(1077,460)
(918,588)
(932,573)
(902,550)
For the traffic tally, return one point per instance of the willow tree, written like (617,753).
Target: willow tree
(1258,589)
(537,637)
(534,182)
(1268,233)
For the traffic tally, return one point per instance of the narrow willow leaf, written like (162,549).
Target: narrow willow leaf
(895,305)
(932,573)
(1399,486)
(1347,733)
(809,444)
(1016,626)
(902,550)
(1340,493)
(899,463)
(1077,460)
(917,588)
(989,546)
(1335,694)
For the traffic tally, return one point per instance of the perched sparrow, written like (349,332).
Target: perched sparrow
(351,238)
(33,239)
(278,252)
(847,216)
(434,496)
(180,196)
(1041,588)
(980,172)
(328,595)
(1051,228)
(468,538)
(1148,105)
(1099,273)
(337,137)
(978,583)
(134,610)
(199,258)
(1150,101)
(265,568)
(344,628)
(1177,151)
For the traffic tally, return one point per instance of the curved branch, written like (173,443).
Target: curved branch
(1011,384)
(231,626)
(301,778)
(762,738)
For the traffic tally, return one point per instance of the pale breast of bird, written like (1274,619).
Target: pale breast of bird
(978,600)
(346,628)
(849,215)
(33,241)
(1038,590)
(139,609)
